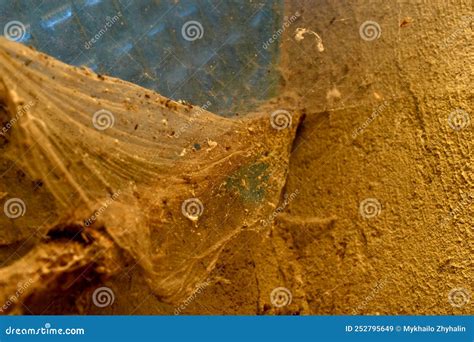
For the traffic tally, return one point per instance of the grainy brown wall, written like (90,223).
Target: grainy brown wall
(377,127)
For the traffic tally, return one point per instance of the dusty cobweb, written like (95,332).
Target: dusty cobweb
(129,158)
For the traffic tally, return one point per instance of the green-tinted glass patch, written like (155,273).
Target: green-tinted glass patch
(250,181)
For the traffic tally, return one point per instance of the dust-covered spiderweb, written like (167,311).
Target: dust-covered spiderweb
(171,183)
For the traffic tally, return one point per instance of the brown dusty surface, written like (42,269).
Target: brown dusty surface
(406,259)
(116,192)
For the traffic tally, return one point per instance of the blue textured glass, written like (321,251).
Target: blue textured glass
(220,59)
